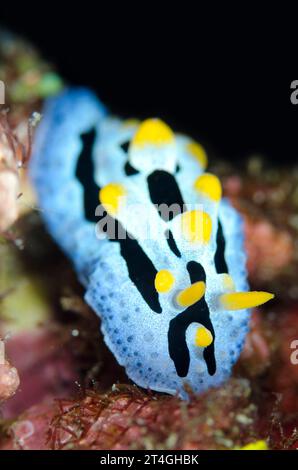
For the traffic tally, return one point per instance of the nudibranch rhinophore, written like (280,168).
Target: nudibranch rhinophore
(158,249)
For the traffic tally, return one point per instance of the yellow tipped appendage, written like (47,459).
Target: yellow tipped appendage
(209,186)
(164,281)
(203,337)
(191,294)
(152,132)
(196,226)
(243,300)
(111,196)
(196,150)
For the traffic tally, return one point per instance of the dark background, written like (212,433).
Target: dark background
(224,77)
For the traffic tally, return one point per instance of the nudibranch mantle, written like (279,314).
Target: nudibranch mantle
(174,305)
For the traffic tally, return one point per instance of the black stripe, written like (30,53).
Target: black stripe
(125,146)
(197,313)
(219,258)
(140,268)
(84,173)
(141,271)
(130,170)
(164,189)
(196,272)
(172,243)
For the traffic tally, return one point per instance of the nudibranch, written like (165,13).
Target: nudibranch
(158,249)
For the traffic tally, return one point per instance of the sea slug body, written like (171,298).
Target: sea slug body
(158,249)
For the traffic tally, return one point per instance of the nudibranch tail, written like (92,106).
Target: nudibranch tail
(157,246)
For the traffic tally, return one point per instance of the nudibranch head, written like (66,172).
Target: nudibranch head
(153,146)
(158,248)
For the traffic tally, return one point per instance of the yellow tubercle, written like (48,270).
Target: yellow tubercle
(197,151)
(243,300)
(258,445)
(191,294)
(152,132)
(203,337)
(196,226)
(164,281)
(209,185)
(111,196)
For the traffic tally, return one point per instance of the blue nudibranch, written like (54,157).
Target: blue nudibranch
(173,304)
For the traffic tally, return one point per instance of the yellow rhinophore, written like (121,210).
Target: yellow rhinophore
(152,132)
(258,445)
(191,294)
(110,197)
(196,226)
(209,185)
(164,281)
(203,337)
(197,151)
(243,300)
